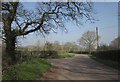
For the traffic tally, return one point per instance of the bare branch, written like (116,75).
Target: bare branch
(48,16)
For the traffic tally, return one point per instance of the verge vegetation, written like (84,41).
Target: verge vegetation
(27,70)
(65,55)
(110,63)
(32,65)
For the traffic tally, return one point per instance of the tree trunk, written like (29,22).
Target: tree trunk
(10,46)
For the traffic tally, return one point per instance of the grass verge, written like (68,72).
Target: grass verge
(65,55)
(109,63)
(27,71)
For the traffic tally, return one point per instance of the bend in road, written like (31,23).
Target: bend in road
(80,67)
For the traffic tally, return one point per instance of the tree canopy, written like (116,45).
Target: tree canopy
(47,16)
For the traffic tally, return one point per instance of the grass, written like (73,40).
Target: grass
(27,71)
(65,55)
(109,63)
(32,69)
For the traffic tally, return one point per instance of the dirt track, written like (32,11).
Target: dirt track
(80,67)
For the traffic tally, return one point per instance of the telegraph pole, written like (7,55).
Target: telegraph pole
(97,36)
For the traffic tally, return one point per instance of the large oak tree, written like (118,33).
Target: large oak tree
(48,16)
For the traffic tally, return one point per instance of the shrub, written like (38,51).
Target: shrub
(48,54)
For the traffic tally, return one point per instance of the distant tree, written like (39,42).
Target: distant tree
(74,47)
(88,40)
(67,46)
(48,46)
(103,47)
(48,16)
(115,44)
(57,46)
(70,46)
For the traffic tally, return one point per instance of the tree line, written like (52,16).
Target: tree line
(87,43)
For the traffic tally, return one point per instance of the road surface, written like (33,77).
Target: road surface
(80,67)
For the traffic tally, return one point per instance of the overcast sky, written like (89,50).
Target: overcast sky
(107,13)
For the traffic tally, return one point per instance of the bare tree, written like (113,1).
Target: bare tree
(70,46)
(67,46)
(47,17)
(57,46)
(88,40)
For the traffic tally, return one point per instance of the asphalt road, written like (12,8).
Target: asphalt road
(80,67)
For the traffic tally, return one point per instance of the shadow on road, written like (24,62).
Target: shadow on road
(80,67)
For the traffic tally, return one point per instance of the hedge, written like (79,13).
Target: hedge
(113,55)
(37,54)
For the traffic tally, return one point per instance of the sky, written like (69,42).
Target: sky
(106,13)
